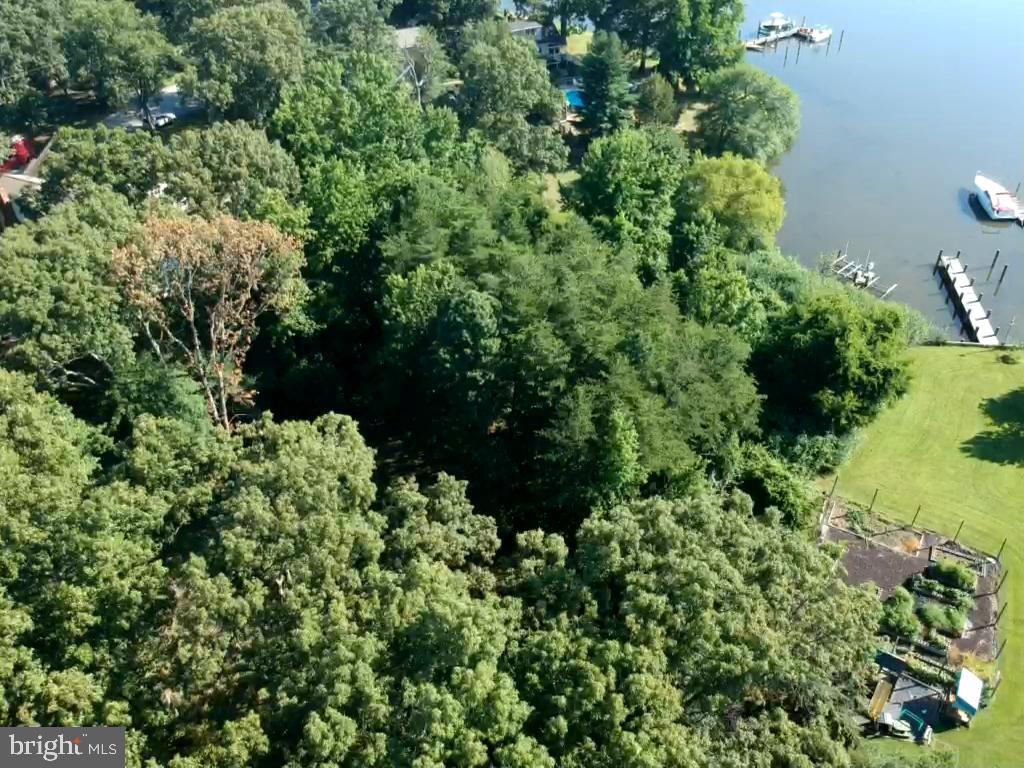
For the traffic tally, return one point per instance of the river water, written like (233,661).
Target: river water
(896,122)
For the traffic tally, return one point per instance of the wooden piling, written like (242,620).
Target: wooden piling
(872,505)
(1002,645)
(1001,276)
(834,484)
(992,266)
(918,512)
(958,531)
(1000,552)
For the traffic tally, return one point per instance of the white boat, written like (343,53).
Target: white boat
(999,203)
(815,34)
(776,22)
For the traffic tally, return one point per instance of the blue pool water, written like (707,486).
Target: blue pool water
(575,99)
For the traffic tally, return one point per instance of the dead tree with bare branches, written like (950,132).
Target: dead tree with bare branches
(198,288)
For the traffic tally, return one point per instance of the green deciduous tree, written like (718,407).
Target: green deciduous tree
(130,163)
(355,25)
(116,51)
(640,23)
(851,353)
(743,200)
(445,15)
(232,168)
(507,94)
(561,14)
(751,114)
(698,38)
(656,102)
(626,189)
(244,56)
(62,317)
(31,50)
(714,289)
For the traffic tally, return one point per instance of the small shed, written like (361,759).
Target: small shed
(968,693)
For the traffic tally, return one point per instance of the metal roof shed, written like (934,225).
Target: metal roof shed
(968,692)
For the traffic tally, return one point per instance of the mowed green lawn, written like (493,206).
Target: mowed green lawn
(955,445)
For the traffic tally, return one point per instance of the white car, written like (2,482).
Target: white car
(164,119)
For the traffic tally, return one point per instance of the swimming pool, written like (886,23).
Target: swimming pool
(575,99)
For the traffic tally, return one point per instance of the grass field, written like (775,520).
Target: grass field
(955,445)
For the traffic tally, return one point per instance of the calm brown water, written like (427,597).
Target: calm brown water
(895,124)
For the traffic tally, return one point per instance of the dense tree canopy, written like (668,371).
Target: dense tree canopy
(507,95)
(626,188)
(571,527)
(323,615)
(751,114)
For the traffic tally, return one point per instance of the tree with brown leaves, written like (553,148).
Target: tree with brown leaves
(198,288)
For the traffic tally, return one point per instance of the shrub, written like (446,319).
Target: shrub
(898,617)
(942,618)
(954,574)
(771,482)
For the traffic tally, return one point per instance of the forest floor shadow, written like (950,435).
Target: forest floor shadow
(1003,441)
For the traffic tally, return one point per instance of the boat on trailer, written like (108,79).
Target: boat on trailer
(998,202)
(815,34)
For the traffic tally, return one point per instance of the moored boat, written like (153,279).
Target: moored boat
(997,201)
(775,23)
(815,34)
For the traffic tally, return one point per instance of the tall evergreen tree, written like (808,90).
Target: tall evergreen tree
(606,86)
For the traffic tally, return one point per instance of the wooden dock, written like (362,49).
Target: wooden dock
(759,43)
(966,301)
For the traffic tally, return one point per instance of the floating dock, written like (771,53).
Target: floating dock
(967,308)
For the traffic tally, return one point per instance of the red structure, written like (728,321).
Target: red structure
(21,152)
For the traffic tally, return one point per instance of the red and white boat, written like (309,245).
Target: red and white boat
(997,201)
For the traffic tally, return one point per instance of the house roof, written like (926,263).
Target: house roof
(523,26)
(407,37)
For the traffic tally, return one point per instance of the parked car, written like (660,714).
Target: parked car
(164,119)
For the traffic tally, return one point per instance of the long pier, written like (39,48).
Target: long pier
(974,320)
